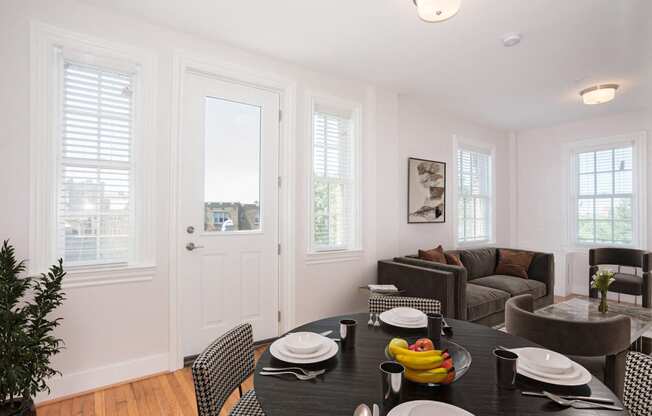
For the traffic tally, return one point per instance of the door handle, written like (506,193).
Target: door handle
(192,246)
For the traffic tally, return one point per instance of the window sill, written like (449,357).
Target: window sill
(475,244)
(335,256)
(111,275)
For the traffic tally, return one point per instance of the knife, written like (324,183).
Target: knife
(585,398)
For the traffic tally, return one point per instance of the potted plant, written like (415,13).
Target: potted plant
(27,343)
(601,281)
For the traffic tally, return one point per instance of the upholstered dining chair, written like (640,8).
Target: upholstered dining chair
(222,368)
(638,384)
(626,283)
(587,341)
(382,303)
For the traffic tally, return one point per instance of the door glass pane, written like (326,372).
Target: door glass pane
(231,166)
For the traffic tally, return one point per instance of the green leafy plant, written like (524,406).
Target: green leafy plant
(27,343)
(601,281)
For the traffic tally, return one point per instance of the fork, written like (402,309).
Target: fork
(579,404)
(305,372)
(301,377)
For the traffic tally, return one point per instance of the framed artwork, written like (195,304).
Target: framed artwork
(426,191)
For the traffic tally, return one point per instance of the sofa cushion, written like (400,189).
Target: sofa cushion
(435,254)
(479,262)
(513,285)
(628,284)
(483,301)
(453,258)
(514,262)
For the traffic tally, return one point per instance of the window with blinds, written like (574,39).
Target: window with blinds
(604,196)
(474,195)
(95,216)
(333,180)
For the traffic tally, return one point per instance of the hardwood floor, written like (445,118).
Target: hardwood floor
(164,394)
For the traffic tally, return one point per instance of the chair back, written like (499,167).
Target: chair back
(589,338)
(638,384)
(620,257)
(222,367)
(380,303)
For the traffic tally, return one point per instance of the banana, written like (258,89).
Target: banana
(397,350)
(437,375)
(420,362)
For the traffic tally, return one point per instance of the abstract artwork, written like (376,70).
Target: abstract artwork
(426,191)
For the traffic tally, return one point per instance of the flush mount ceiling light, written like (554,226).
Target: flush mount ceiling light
(599,94)
(437,10)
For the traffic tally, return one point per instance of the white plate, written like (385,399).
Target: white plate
(278,353)
(303,342)
(583,378)
(321,350)
(405,314)
(545,361)
(427,407)
(572,374)
(389,319)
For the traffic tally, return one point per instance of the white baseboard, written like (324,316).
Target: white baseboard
(85,380)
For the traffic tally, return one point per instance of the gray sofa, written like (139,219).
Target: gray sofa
(472,292)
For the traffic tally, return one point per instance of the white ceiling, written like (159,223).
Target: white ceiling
(459,64)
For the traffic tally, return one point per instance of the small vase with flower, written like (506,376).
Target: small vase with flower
(601,281)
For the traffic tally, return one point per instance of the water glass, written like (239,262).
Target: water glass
(392,382)
(347,333)
(505,368)
(434,328)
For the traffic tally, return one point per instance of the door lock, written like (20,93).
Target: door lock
(192,246)
(190,229)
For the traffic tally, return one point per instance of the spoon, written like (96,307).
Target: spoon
(362,410)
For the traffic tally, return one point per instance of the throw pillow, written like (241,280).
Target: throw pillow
(453,259)
(514,263)
(436,255)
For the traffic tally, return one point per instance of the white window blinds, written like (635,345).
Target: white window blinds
(604,197)
(474,196)
(333,183)
(95,220)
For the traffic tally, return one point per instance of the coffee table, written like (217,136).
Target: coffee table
(586,309)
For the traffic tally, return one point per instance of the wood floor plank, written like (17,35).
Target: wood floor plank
(171,394)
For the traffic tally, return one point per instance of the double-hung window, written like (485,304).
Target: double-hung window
(604,195)
(334,188)
(474,196)
(95,221)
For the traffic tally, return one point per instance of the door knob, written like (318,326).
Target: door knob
(192,246)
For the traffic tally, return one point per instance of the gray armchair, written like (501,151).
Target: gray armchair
(626,283)
(605,341)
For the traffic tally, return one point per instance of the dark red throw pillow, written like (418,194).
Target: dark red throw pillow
(436,255)
(514,263)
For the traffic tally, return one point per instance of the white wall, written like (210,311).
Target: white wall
(119,331)
(541,220)
(427,133)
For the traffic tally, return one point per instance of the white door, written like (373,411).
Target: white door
(228,210)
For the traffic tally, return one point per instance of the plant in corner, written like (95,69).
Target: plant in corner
(601,281)
(27,342)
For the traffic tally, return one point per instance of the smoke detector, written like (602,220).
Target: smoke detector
(511,39)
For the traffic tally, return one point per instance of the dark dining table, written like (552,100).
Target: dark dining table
(353,377)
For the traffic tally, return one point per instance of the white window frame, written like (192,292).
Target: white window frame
(333,254)
(490,150)
(46,43)
(638,141)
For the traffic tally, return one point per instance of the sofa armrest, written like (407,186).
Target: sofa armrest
(543,270)
(421,282)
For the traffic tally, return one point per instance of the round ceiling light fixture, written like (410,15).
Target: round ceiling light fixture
(599,94)
(433,11)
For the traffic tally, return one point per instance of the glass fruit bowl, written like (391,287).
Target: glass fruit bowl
(426,370)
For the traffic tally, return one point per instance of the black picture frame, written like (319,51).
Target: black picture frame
(426,183)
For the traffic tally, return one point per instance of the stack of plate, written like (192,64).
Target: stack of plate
(427,408)
(303,348)
(550,367)
(405,318)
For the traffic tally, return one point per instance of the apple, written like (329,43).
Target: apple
(424,344)
(413,347)
(448,363)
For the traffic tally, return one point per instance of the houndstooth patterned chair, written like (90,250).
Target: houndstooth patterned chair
(380,303)
(638,384)
(222,368)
